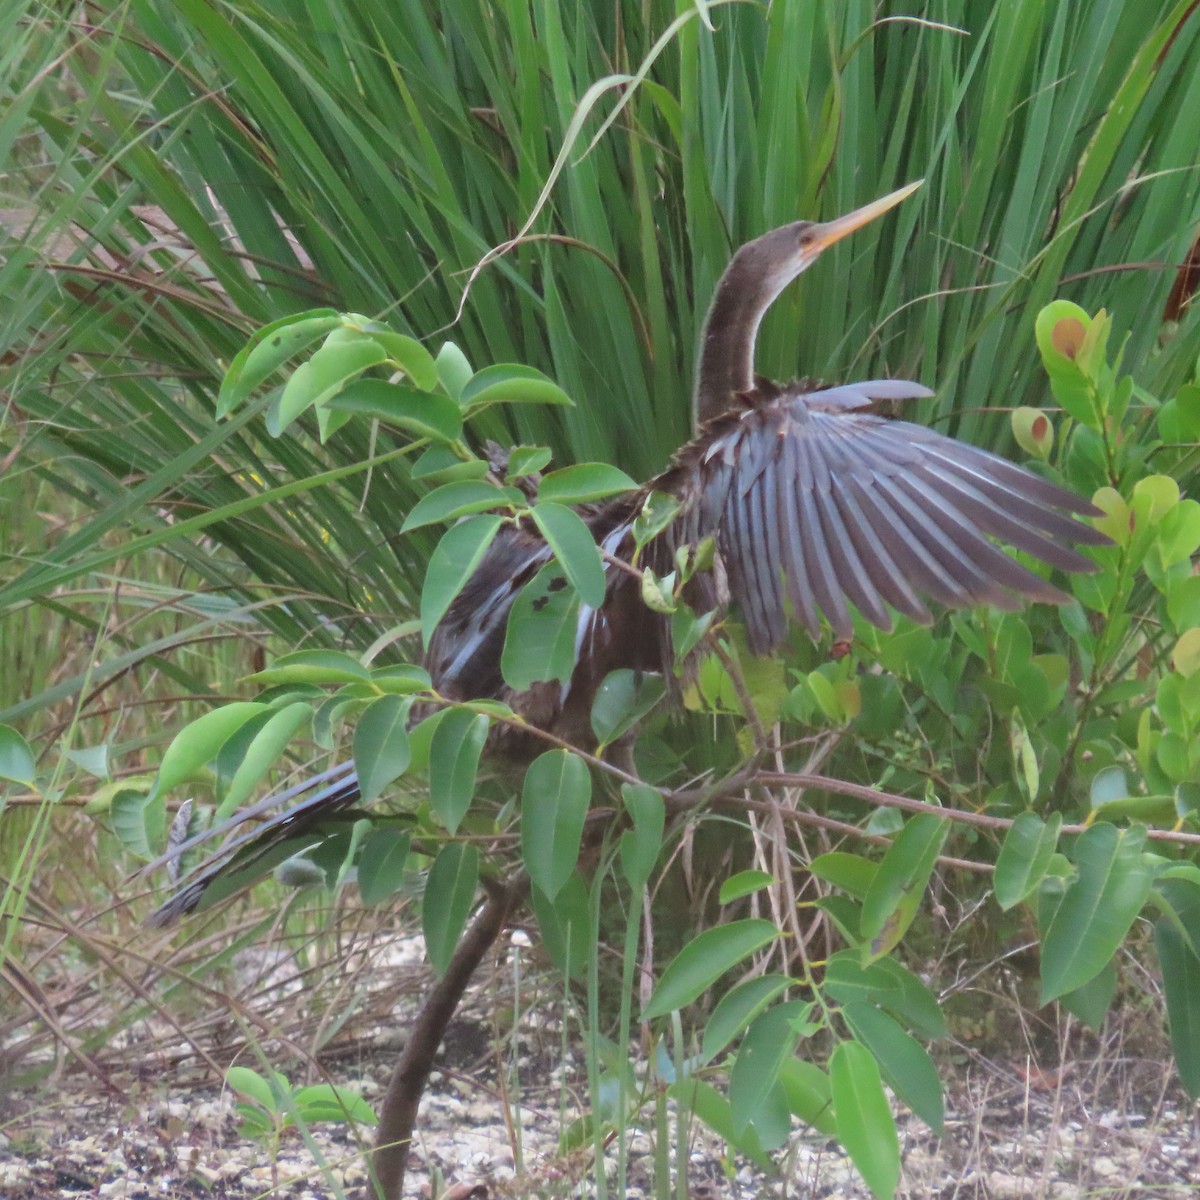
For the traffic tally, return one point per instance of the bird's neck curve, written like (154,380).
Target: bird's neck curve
(725,363)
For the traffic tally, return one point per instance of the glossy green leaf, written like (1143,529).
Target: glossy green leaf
(406,353)
(579,484)
(265,748)
(312,667)
(554,807)
(850,872)
(423,414)
(449,894)
(16,758)
(905,1063)
(454,500)
(565,925)
(331,368)
(622,700)
(454,763)
(509,383)
(765,1049)
(453,563)
(139,821)
(198,744)
(539,642)
(441,464)
(712,1109)
(1181,986)
(1098,908)
(526,460)
(744,883)
(1090,1002)
(381,751)
(324,1102)
(808,1095)
(865,1126)
(909,999)
(381,864)
(1025,857)
(703,961)
(895,894)
(254,1087)
(574,547)
(268,350)
(640,846)
(736,1009)
(847,979)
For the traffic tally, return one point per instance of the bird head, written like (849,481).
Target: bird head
(779,256)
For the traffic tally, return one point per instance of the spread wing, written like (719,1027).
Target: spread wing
(815,503)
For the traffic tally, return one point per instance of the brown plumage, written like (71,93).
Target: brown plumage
(814,500)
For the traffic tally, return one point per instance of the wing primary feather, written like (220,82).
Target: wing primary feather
(797,571)
(827,591)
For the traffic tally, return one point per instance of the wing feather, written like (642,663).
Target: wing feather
(814,498)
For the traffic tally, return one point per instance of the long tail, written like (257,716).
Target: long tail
(252,854)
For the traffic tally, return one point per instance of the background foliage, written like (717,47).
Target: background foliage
(183,173)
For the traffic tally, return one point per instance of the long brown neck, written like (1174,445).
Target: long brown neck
(758,272)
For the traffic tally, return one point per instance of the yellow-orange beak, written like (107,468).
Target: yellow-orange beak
(823,236)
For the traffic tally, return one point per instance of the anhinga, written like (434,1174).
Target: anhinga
(813,500)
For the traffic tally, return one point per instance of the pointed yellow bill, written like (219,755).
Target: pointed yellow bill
(823,236)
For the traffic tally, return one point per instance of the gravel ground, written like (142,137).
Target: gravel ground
(1107,1120)
(1004,1141)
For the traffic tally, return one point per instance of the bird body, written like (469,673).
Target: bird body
(814,502)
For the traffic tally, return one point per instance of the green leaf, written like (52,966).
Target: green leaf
(453,563)
(640,845)
(736,1009)
(253,1086)
(268,350)
(265,748)
(199,743)
(808,1095)
(16,758)
(743,884)
(424,414)
(703,961)
(454,763)
(865,1126)
(554,807)
(526,460)
(1181,986)
(381,751)
(1097,910)
(1025,857)
(1090,1002)
(441,464)
(850,872)
(622,700)
(454,500)
(905,1063)
(539,642)
(509,383)
(453,370)
(911,999)
(579,484)
(712,1109)
(767,1045)
(449,894)
(139,821)
(574,547)
(312,667)
(565,925)
(407,353)
(381,864)
(892,901)
(324,1102)
(330,369)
